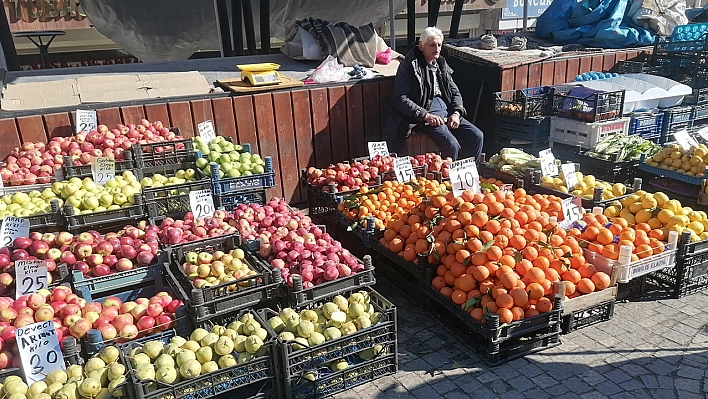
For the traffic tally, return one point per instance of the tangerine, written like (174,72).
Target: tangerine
(544,305)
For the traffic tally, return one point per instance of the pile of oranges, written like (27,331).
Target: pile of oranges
(606,238)
(389,201)
(496,253)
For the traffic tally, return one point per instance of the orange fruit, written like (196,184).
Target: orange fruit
(644,251)
(604,237)
(535,275)
(505,316)
(509,280)
(520,296)
(492,307)
(438,282)
(585,286)
(446,291)
(505,301)
(572,275)
(590,233)
(494,253)
(535,291)
(531,312)
(587,270)
(497,291)
(466,282)
(480,273)
(544,305)
(459,297)
(517,313)
(476,313)
(601,280)
(530,253)
(569,288)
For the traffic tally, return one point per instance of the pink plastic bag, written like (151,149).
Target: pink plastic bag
(384,57)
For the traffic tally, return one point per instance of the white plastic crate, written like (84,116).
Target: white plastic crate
(586,135)
(635,269)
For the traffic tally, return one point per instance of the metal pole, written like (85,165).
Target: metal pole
(456,16)
(433,12)
(237,25)
(264,12)
(248,24)
(8,45)
(392,26)
(410,17)
(526,15)
(222,28)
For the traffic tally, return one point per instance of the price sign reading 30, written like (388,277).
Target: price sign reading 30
(202,203)
(404,169)
(39,350)
(464,176)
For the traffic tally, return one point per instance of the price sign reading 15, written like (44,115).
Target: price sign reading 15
(404,169)
(202,203)
(464,176)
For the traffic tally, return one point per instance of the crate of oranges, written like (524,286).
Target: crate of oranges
(636,249)
(580,311)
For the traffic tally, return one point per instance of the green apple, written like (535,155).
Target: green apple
(90,202)
(75,181)
(105,199)
(214,156)
(88,184)
(233,173)
(74,201)
(244,167)
(190,173)
(69,190)
(238,147)
(114,206)
(205,151)
(234,156)
(100,209)
(201,163)
(181,174)
(111,183)
(214,147)
(258,169)
(146,182)
(224,158)
(247,173)
(245,156)
(120,199)
(57,187)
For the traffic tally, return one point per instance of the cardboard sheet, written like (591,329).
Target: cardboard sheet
(238,86)
(102,89)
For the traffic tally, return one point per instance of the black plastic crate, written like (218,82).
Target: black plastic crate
(700,112)
(529,130)
(82,171)
(517,347)
(229,202)
(635,288)
(604,169)
(47,221)
(330,383)
(532,148)
(697,98)
(262,370)
(406,277)
(168,200)
(296,363)
(152,156)
(690,275)
(206,303)
(587,317)
(524,104)
(486,171)
(646,125)
(492,330)
(624,67)
(593,108)
(123,216)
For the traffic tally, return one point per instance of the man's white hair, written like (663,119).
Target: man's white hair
(429,33)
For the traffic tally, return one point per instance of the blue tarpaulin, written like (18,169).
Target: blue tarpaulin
(595,23)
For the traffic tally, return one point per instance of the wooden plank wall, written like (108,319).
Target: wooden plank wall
(561,70)
(299,128)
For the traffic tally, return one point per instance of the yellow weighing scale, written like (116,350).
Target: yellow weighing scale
(260,74)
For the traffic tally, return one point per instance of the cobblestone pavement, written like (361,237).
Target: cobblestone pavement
(650,349)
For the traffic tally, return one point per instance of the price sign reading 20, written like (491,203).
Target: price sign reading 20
(202,203)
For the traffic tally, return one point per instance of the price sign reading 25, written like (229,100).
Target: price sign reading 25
(464,176)
(202,203)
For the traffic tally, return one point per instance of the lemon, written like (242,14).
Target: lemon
(546,179)
(704,235)
(629,200)
(636,207)
(642,216)
(654,223)
(619,189)
(673,221)
(676,228)
(562,189)
(672,205)
(649,203)
(612,211)
(694,216)
(697,227)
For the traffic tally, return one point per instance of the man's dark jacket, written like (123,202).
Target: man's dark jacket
(412,93)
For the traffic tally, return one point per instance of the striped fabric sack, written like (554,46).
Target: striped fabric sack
(351,45)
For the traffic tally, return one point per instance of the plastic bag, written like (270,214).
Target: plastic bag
(329,71)
(384,57)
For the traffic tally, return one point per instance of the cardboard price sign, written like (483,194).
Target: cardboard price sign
(378,148)
(202,203)
(206,131)
(684,140)
(572,210)
(12,228)
(704,133)
(571,179)
(31,276)
(464,176)
(548,163)
(86,120)
(103,169)
(39,350)
(404,169)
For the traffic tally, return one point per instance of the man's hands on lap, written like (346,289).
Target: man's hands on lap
(434,120)
(453,122)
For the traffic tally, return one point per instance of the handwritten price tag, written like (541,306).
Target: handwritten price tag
(571,179)
(684,140)
(12,228)
(404,169)
(507,188)
(31,276)
(378,148)
(704,133)
(548,163)
(464,176)
(103,169)
(206,131)
(86,120)
(39,350)
(572,210)
(202,203)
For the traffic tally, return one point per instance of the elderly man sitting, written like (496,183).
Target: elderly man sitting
(426,99)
